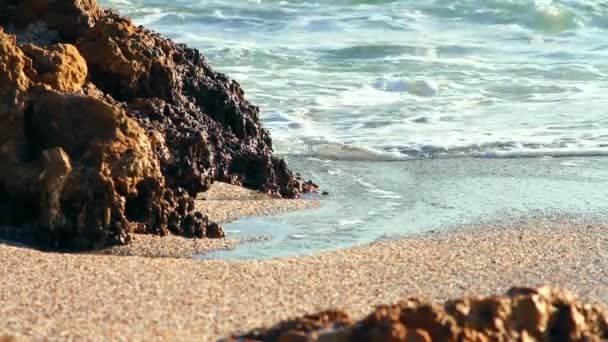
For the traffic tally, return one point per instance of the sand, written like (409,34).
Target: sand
(225,202)
(98,297)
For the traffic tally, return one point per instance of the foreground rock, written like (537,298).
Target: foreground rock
(523,314)
(108,129)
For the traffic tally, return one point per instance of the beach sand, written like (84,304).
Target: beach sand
(225,202)
(101,297)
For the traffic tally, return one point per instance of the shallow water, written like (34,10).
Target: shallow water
(390,104)
(392,199)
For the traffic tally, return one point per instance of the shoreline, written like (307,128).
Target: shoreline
(55,295)
(223,203)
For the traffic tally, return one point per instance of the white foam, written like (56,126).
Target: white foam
(334,172)
(416,87)
(149,19)
(542,152)
(360,97)
(364,183)
(385,194)
(336,151)
(349,222)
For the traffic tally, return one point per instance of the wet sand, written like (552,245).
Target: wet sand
(93,297)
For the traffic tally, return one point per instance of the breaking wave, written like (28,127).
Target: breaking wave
(338,151)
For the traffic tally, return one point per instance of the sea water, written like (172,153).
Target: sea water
(414,115)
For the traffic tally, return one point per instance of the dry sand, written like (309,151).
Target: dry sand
(97,297)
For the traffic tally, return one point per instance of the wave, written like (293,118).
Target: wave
(337,151)
(425,88)
(523,153)
(327,150)
(543,16)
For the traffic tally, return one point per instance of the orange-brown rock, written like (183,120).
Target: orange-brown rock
(60,66)
(14,64)
(107,128)
(122,57)
(523,314)
(14,84)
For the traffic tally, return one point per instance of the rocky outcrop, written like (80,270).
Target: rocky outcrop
(523,314)
(108,129)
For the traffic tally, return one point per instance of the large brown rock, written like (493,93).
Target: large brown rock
(108,129)
(75,164)
(210,130)
(523,314)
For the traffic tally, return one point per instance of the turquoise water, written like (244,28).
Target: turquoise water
(415,115)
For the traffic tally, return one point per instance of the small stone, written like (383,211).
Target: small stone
(215,231)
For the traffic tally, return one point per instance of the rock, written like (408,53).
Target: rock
(214,231)
(107,129)
(71,18)
(296,336)
(14,84)
(309,186)
(306,328)
(113,161)
(60,66)
(14,65)
(211,131)
(412,314)
(37,33)
(523,314)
